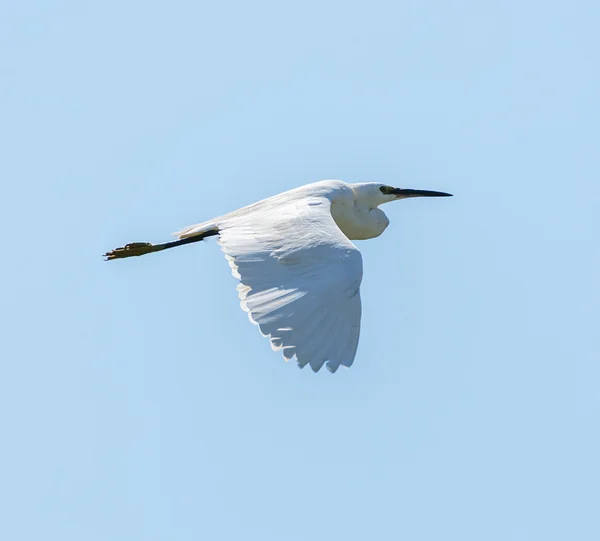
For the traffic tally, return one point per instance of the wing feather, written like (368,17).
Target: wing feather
(300,278)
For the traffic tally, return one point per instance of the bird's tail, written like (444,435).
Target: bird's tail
(195,230)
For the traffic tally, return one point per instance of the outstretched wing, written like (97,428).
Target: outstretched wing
(300,278)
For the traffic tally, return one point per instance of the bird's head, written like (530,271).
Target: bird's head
(374,194)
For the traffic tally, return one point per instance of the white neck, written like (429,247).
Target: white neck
(358,222)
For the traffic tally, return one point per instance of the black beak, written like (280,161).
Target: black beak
(402,193)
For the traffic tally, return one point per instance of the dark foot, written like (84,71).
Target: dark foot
(130,250)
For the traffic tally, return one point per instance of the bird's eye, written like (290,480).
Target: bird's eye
(383,189)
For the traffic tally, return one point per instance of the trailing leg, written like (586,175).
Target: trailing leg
(142,248)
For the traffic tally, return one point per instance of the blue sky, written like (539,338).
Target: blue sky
(138,403)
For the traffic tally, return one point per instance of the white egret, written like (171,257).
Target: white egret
(299,273)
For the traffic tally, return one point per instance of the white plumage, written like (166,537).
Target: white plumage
(299,272)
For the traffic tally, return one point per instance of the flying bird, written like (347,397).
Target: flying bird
(299,272)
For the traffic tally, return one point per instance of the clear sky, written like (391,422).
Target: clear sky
(138,403)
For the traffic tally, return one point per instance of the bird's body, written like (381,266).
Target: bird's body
(357,219)
(299,273)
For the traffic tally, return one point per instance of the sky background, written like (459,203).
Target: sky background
(138,403)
